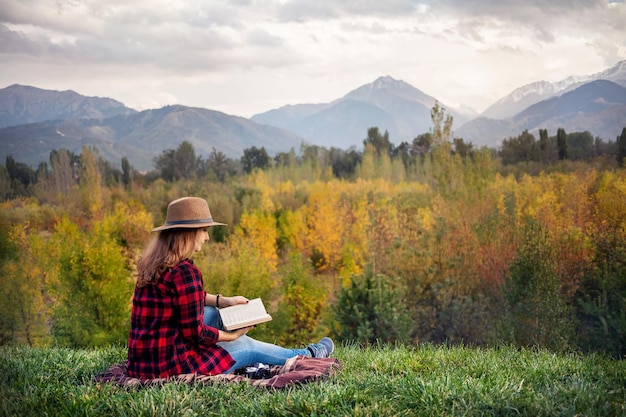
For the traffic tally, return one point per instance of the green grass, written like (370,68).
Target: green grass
(380,381)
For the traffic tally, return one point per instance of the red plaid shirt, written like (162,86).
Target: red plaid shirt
(167,335)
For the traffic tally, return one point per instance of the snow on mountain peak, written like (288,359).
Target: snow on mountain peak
(616,71)
(538,87)
(545,89)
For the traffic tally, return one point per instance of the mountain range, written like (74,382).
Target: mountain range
(576,103)
(138,136)
(34,121)
(391,105)
(597,106)
(527,95)
(404,111)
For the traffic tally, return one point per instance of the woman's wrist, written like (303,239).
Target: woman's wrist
(217,300)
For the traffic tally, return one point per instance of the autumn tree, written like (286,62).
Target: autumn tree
(303,300)
(24,311)
(237,267)
(95,286)
(259,229)
(366,170)
(324,226)
(601,295)
(90,185)
(442,125)
(63,176)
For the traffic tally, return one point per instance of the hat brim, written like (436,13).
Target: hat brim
(187,226)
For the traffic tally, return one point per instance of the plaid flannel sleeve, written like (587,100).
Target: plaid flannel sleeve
(190,305)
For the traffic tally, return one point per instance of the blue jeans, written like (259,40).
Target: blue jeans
(247,351)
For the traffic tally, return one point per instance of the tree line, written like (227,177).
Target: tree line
(523,153)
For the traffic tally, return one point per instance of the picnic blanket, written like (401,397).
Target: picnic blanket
(296,370)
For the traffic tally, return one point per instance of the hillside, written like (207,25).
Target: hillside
(21,104)
(144,135)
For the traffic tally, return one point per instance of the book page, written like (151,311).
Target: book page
(242,315)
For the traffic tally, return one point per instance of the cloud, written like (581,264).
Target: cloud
(539,19)
(263,52)
(122,32)
(305,10)
(168,33)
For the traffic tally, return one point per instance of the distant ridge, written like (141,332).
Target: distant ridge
(141,136)
(529,94)
(20,104)
(598,107)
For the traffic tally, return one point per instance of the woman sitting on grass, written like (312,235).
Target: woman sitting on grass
(175,327)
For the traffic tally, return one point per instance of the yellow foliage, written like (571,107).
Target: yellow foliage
(426,217)
(130,222)
(23,289)
(367,169)
(259,228)
(349,267)
(356,243)
(610,201)
(325,226)
(260,183)
(91,190)
(436,231)
(28,210)
(236,268)
(294,228)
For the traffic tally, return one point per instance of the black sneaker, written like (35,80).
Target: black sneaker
(323,348)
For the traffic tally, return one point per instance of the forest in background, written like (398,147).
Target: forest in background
(429,241)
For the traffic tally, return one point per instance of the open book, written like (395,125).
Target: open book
(243,315)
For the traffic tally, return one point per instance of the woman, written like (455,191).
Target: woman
(175,327)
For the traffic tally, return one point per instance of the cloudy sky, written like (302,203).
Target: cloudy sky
(244,57)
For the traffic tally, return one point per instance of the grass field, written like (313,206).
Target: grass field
(377,381)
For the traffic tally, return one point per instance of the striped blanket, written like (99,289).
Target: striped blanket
(297,370)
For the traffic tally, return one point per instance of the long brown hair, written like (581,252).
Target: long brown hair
(165,250)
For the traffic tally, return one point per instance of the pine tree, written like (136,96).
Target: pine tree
(561,143)
(621,148)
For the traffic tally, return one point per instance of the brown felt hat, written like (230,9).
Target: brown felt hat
(188,213)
